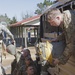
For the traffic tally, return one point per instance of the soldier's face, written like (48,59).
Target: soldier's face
(55,22)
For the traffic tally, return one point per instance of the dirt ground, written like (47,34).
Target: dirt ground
(6,62)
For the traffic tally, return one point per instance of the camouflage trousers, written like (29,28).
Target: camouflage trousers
(0,63)
(2,71)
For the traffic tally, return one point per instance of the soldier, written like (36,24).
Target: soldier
(66,21)
(4,29)
(29,35)
(6,33)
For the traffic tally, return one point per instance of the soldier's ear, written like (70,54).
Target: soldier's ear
(58,17)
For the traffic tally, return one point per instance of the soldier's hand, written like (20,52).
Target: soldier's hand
(55,61)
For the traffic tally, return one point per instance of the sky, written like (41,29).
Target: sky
(18,7)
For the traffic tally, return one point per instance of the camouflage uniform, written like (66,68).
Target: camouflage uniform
(69,32)
(6,30)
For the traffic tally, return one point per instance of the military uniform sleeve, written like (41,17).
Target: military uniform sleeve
(66,54)
(70,46)
(3,28)
(69,27)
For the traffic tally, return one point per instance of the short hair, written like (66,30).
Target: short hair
(53,13)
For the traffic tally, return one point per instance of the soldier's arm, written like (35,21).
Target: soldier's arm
(66,54)
(69,22)
(70,44)
(3,28)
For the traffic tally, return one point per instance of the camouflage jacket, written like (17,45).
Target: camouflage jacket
(69,32)
(6,30)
